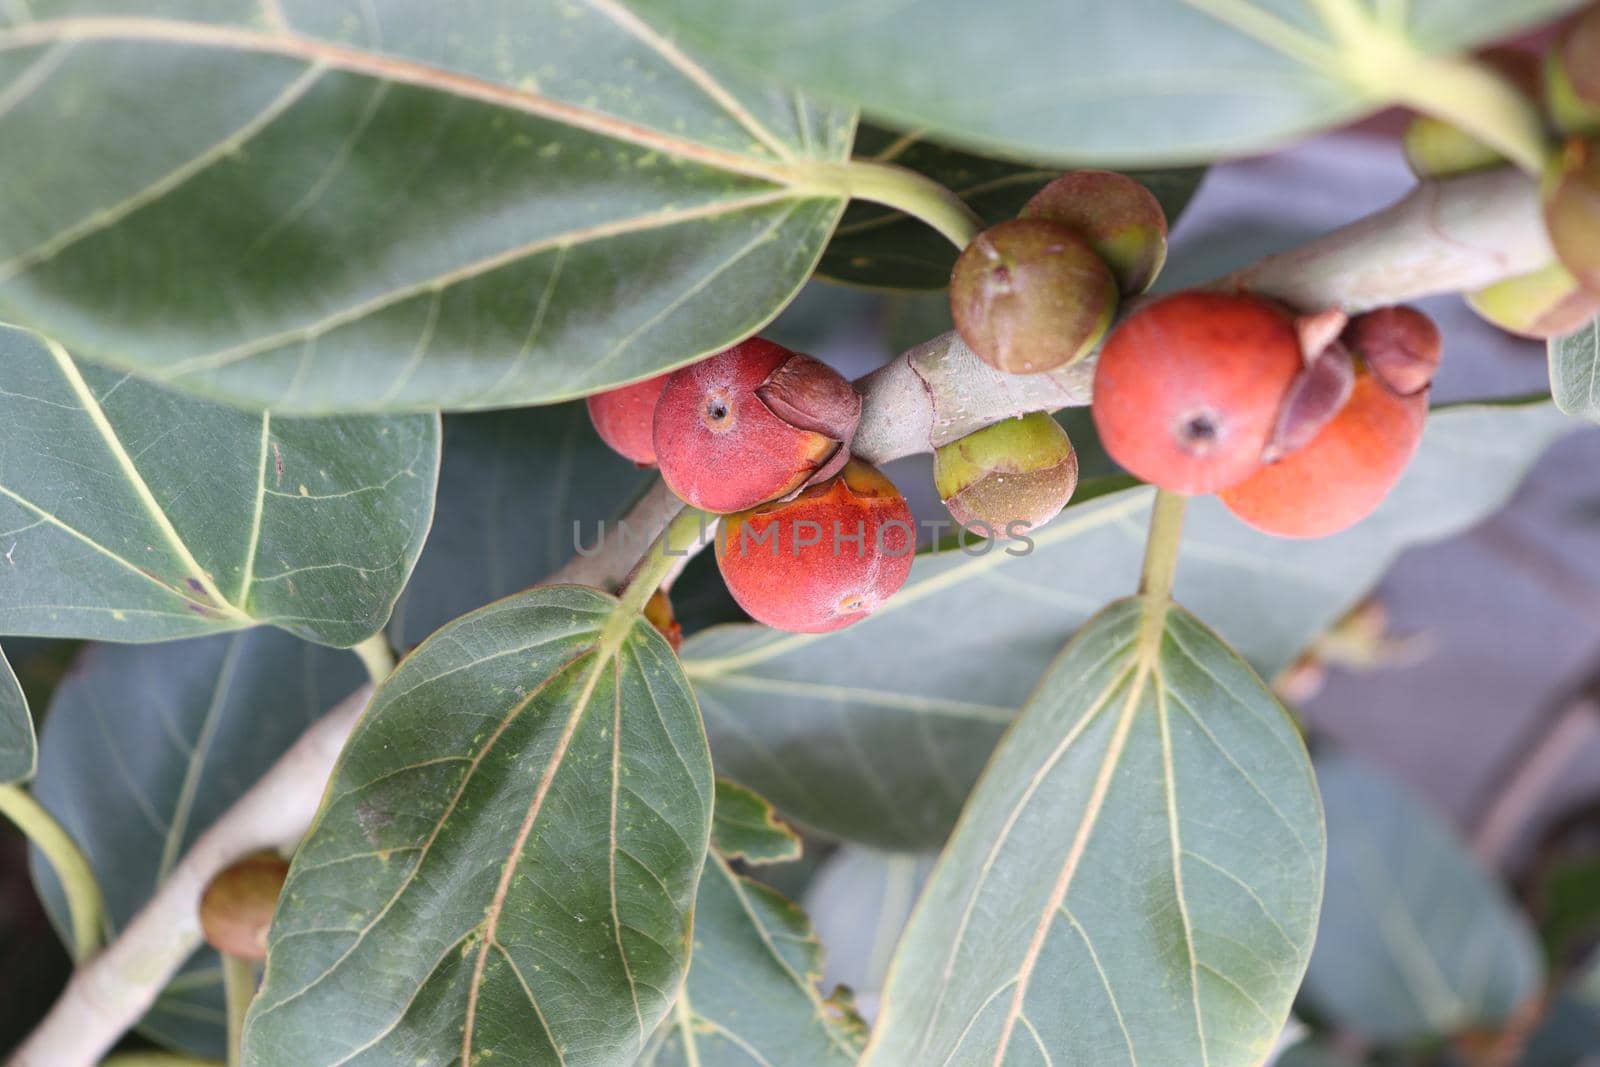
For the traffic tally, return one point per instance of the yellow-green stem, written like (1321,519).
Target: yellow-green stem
(376,657)
(1477,99)
(915,194)
(681,534)
(84,902)
(1161,549)
(238,989)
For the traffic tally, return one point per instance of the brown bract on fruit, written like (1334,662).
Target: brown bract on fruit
(1007,478)
(753,423)
(1400,345)
(1572,211)
(1121,219)
(1189,388)
(1030,295)
(823,560)
(236,909)
(1344,473)
(625,418)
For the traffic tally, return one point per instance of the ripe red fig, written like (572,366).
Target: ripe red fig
(753,423)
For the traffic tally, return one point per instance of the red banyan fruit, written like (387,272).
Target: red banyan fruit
(625,418)
(753,423)
(825,559)
(1188,388)
(1344,473)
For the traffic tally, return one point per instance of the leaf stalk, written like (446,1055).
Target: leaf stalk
(84,902)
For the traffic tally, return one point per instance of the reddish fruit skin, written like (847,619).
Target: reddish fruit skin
(658,613)
(815,588)
(753,423)
(625,418)
(1188,389)
(1343,474)
(236,908)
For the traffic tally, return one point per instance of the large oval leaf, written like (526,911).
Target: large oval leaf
(1133,81)
(751,999)
(877,733)
(505,863)
(1136,878)
(319,206)
(137,514)
(144,747)
(519,493)
(1417,942)
(17,748)
(878,246)
(1575,372)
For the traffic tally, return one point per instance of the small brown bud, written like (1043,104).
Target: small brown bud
(236,909)
(1401,345)
(1318,394)
(658,613)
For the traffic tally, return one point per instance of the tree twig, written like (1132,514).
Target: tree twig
(112,991)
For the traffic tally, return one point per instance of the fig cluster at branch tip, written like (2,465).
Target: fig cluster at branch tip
(236,908)
(823,560)
(753,423)
(1009,477)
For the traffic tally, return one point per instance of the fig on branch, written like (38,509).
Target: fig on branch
(751,424)
(1189,388)
(1030,295)
(236,908)
(1572,211)
(1007,478)
(1121,219)
(625,418)
(1344,473)
(823,560)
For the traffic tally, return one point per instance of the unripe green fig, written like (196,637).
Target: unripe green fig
(1572,76)
(1436,149)
(236,908)
(1007,478)
(1543,304)
(1121,219)
(1572,211)
(1030,295)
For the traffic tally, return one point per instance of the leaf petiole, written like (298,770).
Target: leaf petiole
(683,534)
(915,194)
(85,904)
(1161,548)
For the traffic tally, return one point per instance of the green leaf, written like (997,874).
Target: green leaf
(519,492)
(321,206)
(876,733)
(1137,875)
(18,751)
(135,514)
(505,861)
(744,827)
(1417,941)
(1311,1053)
(751,999)
(1575,372)
(1131,82)
(144,746)
(877,246)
